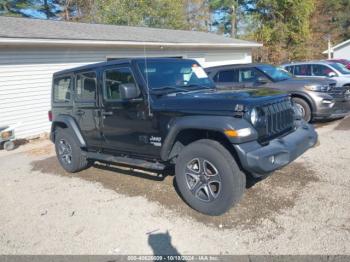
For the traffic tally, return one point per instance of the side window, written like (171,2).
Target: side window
(224,76)
(85,89)
(62,89)
(290,69)
(321,70)
(248,75)
(113,78)
(302,70)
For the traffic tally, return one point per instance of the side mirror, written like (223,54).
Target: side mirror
(331,74)
(128,91)
(262,80)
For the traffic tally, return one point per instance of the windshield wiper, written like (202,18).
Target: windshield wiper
(171,89)
(197,86)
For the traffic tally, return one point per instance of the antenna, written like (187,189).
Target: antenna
(147,86)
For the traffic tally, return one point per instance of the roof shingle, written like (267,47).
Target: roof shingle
(11,27)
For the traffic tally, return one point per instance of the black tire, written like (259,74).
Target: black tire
(9,145)
(306,110)
(68,151)
(197,189)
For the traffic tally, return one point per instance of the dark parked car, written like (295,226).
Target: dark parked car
(157,113)
(316,98)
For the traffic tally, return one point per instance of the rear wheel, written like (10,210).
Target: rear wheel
(208,177)
(68,151)
(304,108)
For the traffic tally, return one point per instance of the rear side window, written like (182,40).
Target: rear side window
(224,76)
(62,89)
(86,87)
(113,78)
(302,70)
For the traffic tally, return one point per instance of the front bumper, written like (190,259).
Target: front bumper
(330,107)
(258,159)
(340,108)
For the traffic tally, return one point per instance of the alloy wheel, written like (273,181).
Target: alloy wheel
(301,109)
(203,179)
(65,151)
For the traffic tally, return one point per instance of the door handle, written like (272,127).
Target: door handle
(80,112)
(108,113)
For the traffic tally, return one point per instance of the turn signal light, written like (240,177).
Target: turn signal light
(231,133)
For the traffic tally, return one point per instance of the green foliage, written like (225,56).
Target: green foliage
(13,7)
(283,26)
(153,13)
(46,8)
(227,19)
(338,12)
(289,29)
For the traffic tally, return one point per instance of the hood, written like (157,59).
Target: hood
(215,101)
(304,81)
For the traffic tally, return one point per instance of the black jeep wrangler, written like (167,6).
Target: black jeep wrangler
(160,112)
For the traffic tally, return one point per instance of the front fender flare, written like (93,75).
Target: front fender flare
(209,123)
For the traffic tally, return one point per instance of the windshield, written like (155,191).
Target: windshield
(177,73)
(341,68)
(276,74)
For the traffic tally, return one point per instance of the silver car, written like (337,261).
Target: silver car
(320,69)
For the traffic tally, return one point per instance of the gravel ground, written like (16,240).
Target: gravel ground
(302,209)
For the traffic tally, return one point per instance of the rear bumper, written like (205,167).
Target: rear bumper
(258,159)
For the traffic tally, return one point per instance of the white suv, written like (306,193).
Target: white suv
(320,69)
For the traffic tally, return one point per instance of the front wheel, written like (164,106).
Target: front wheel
(208,177)
(304,108)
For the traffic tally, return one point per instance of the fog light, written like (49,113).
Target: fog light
(328,102)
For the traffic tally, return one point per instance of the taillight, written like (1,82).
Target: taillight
(50,115)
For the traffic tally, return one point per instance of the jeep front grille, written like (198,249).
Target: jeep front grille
(279,119)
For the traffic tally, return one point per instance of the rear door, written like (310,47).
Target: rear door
(303,70)
(86,110)
(227,78)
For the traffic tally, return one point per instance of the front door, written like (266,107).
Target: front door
(126,125)
(86,110)
(248,77)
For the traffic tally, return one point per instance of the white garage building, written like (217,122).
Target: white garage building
(31,50)
(340,51)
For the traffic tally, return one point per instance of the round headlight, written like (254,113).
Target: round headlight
(254,116)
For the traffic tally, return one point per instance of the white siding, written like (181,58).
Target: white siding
(25,77)
(342,52)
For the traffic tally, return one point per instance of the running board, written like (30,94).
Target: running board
(125,161)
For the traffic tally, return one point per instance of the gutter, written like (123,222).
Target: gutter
(65,42)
